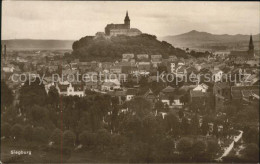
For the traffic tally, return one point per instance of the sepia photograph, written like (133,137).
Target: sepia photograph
(130,81)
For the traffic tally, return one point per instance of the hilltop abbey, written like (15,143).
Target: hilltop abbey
(121,29)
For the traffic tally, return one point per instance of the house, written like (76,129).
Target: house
(8,69)
(116,69)
(120,94)
(151,97)
(109,86)
(171,97)
(130,94)
(75,90)
(253,62)
(172,58)
(84,67)
(156,60)
(197,96)
(217,75)
(244,93)
(70,89)
(181,71)
(91,85)
(176,102)
(53,68)
(142,57)
(144,66)
(127,57)
(201,87)
(167,90)
(221,91)
(62,88)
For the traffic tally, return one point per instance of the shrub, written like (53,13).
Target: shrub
(6,130)
(56,136)
(28,133)
(68,138)
(87,138)
(40,134)
(17,131)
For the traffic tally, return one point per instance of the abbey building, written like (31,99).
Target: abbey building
(122,29)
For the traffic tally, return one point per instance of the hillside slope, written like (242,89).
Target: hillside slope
(35,44)
(104,49)
(196,39)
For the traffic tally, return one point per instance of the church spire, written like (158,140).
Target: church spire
(251,46)
(127,20)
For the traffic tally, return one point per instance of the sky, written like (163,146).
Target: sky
(71,20)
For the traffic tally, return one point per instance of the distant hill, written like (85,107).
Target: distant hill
(204,40)
(31,44)
(110,49)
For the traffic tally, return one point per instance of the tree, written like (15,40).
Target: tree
(69,138)
(7,95)
(198,150)
(172,124)
(103,138)
(33,93)
(185,126)
(40,134)
(212,148)
(17,131)
(140,106)
(181,114)
(6,130)
(162,68)
(28,133)
(195,125)
(251,153)
(53,96)
(159,106)
(165,149)
(56,136)
(149,128)
(87,138)
(251,135)
(204,127)
(215,130)
(36,114)
(184,145)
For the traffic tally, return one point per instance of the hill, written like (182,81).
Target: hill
(33,44)
(203,40)
(110,49)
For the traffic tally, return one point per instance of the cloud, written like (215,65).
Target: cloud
(75,19)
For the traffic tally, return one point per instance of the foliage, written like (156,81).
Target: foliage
(87,138)
(102,49)
(17,131)
(68,138)
(251,153)
(40,134)
(7,95)
(184,145)
(56,136)
(28,133)
(6,130)
(33,93)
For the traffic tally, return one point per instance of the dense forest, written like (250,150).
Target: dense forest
(109,49)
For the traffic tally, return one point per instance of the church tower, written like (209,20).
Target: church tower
(251,47)
(127,20)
